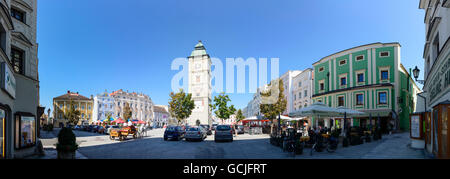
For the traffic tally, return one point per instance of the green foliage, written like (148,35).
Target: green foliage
(274,100)
(72,114)
(66,140)
(181,105)
(239,116)
(127,113)
(220,105)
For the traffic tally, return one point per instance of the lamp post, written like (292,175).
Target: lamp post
(416,73)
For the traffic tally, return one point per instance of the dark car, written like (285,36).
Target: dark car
(239,129)
(223,132)
(90,128)
(95,129)
(174,132)
(214,127)
(207,128)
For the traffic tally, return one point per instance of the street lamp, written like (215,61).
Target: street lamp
(416,73)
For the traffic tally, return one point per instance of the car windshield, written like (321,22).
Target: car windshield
(171,129)
(115,126)
(205,126)
(193,129)
(240,127)
(223,128)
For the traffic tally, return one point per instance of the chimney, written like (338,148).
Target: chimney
(68,92)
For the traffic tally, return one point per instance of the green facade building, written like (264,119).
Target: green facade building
(369,78)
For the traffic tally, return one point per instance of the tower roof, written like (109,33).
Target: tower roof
(199,49)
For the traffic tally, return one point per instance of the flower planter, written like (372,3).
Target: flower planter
(66,155)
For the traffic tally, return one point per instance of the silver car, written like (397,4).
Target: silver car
(223,132)
(195,133)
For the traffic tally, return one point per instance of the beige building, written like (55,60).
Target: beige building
(61,104)
(19,94)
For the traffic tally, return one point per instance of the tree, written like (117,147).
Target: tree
(72,114)
(273,102)
(127,113)
(239,116)
(222,110)
(181,105)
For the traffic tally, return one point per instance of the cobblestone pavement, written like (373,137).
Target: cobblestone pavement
(95,146)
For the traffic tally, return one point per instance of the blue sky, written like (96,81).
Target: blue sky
(88,46)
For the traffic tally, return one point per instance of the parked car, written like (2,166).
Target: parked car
(214,127)
(100,130)
(223,132)
(174,132)
(239,129)
(195,133)
(77,127)
(207,128)
(90,128)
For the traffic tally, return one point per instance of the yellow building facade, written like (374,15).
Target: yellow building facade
(61,104)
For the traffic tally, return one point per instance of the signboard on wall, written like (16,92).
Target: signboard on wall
(8,82)
(415,127)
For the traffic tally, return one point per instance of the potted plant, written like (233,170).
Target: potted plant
(66,146)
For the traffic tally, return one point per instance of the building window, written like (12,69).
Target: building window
(342,62)
(60,106)
(2,132)
(322,86)
(25,131)
(382,98)
(17,60)
(360,77)
(299,95)
(384,75)
(321,69)
(436,47)
(384,54)
(19,15)
(360,57)
(343,81)
(341,101)
(299,84)
(359,99)
(306,93)
(3,39)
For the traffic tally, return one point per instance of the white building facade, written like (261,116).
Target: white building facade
(140,104)
(161,116)
(288,86)
(302,89)
(437,75)
(200,85)
(104,105)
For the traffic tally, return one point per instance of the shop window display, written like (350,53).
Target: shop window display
(25,131)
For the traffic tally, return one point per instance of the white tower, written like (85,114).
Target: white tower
(200,85)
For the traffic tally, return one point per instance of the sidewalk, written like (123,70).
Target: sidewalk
(49,139)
